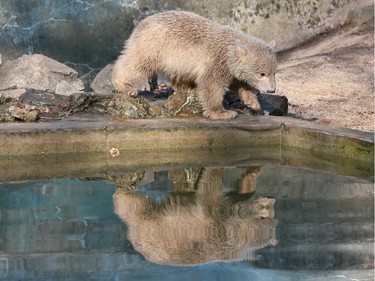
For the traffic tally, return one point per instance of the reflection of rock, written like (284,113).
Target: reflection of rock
(197,227)
(40,73)
(127,180)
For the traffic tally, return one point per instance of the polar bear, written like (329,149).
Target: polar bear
(198,56)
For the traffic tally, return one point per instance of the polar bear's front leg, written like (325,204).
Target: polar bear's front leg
(246,94)
(211,96)
(249,99)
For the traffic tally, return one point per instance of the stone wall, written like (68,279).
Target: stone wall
(87,35)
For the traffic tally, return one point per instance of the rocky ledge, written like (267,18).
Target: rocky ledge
(38,88)
(328,80)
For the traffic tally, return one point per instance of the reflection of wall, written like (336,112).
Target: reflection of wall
(90,33)
(324,220)
(57,217)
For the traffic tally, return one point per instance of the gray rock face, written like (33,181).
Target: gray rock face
(102,83)
(39,73)
(88,35)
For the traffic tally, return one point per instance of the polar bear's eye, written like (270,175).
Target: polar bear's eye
(262,74)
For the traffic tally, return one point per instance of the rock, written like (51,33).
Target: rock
(273,105)
(93,32)
(102,83)
(5,115)
(12,93)
(27,113)
(66,89)
(126,180)
(118,105)
(149,104)
(40,73)
(270,104)
(93,103)
(133,108)
(42,98)
(33,105)
(183,105)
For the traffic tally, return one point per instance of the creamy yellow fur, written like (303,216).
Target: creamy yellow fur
(197,55)
(201,226)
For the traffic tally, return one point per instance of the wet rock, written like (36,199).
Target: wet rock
(273,105)
(270,104)
(126,180)
(102,83)
(150,104)
(40,73)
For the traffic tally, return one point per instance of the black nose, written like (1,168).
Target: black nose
(271,91)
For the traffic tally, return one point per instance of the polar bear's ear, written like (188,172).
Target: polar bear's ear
(273,44)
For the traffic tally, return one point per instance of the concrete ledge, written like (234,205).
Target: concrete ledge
(85,134)
(79,147)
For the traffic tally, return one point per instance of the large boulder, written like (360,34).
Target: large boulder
(39,73)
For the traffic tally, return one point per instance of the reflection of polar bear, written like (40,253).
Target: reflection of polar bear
(197,227)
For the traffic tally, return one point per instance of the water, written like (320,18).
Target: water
(269,222)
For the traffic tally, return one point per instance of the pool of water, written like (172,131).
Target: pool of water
(240,222)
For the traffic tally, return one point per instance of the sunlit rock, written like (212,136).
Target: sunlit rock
(39,73)
(102,83)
